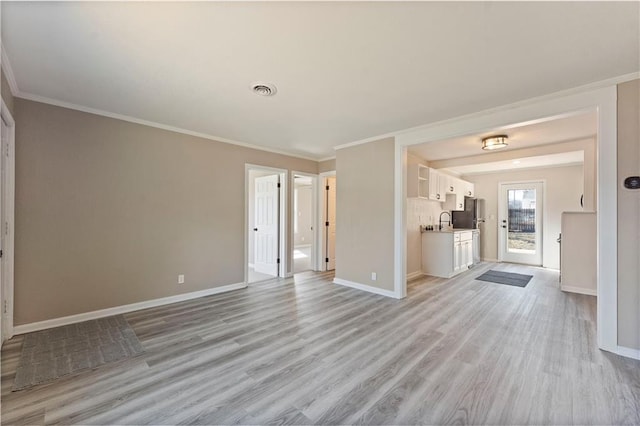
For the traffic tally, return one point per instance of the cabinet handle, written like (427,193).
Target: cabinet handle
(437,196)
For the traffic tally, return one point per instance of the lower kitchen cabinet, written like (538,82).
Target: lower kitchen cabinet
(445,254)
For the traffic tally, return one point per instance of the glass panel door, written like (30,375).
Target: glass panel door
(521,222)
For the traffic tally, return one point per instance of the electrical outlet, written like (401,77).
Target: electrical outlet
(181,279)
(374,276)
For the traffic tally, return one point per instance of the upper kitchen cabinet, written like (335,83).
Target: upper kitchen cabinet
(437,186)
(452,184)
(418,181)
(468,189)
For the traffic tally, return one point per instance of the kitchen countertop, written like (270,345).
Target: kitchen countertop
(450,231)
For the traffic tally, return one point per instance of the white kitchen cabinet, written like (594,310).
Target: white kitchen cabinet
(418,181)
(468,189)
(437,186)
(450,184)
(445,254)
(476,246)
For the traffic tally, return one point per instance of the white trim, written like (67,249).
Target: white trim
(9,206)
(72,319)
(628,352)
(326,159)
(414,275)
(314,218)
(284,253)
(367,140)
(130,119)
(322,210)
(540,231)
(251,265)
(400,220)
(8,71)
(552,96)
(364,287)
(487,259)
(579,290)
(574,101)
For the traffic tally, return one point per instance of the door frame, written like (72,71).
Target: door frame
(283,220)
(322,218)
(543,212)
(314,217)
(9,205)
(601,97)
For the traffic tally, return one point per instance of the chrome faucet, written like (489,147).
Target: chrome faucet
(440,219)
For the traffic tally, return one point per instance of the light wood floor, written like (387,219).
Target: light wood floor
(454,351)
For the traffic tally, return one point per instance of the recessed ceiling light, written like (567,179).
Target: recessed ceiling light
(263,89)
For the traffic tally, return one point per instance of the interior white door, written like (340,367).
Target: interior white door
(520,222)
(266,224)
(331,223)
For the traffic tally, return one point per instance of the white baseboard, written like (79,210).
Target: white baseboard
(628,352)
(579,290)
(414,275)
(86,316)
(487,259)
(365,287)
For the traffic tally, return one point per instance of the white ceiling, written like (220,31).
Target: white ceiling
(344,71)
(549,160)
(543,133)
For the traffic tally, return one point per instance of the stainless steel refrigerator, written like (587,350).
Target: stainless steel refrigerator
(471,216)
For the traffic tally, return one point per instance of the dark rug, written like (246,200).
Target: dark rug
(508,278)
(50,354)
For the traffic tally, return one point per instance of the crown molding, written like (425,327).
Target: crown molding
(326,159)
(130,119)
(8,71)
(16,92)
(579,89)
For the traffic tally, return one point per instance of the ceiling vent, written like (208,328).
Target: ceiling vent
(264,89)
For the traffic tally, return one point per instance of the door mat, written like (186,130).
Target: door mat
(50,354)
(508,278)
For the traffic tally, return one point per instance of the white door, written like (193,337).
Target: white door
(330,227)
(266,224)
(520,222)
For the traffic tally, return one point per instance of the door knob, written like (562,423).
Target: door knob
(255,229)
(504,226)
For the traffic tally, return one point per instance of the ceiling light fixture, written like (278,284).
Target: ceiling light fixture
(263,89)
(495,142)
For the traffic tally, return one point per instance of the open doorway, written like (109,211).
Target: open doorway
(600,102)
(304,231)
(265,242)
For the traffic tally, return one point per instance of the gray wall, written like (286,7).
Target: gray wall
(110,212)
(628,216)
(327,166)
(6,93)
(364,213)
